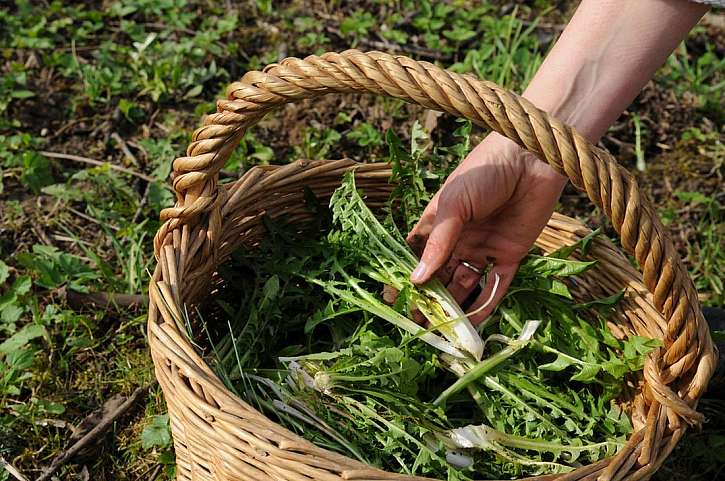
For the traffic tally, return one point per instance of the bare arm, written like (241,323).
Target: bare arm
(495,204)
(608,52)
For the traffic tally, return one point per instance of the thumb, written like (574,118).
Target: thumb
(441,241)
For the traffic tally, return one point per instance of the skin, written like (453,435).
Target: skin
(495,204)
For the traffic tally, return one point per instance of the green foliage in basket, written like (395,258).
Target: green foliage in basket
(313,344)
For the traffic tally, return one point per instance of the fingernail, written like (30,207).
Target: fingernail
(419,272)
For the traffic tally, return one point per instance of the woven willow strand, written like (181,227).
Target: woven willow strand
(675,377)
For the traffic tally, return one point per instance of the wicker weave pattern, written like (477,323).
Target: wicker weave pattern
(219,437)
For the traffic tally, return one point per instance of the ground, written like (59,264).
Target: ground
(125,82)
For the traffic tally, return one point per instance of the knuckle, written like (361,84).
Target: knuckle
(416,241)
(434,246)
(448,199)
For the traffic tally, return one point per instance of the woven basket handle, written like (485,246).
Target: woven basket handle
(687,361)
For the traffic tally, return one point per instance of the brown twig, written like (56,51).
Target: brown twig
(40,232)
(39,225)
(65,238)
(103,300)
(155,473)
(91,219)
(141,204)
(86,160)
(12,470)
(124,148)
(94,433)
(68,126)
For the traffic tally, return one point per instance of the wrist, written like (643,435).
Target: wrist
(576,95)
(543,171)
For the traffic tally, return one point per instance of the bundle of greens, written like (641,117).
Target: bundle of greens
(313,345)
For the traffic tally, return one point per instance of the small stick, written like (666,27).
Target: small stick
(155,473)
(86,160)
(12,470)
(124,148)
(65,238)
(141,204)
(68,125)
(91,219)
(38,230)
(104,299)
(94,433)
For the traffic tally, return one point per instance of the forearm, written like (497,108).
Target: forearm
(609,50)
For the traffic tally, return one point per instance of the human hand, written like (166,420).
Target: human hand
(491,209)
(495,204)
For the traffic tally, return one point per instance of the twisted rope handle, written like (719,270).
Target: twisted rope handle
(676,376)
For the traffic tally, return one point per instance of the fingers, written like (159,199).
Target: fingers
(505,276)
(464,281)
(441,241)
(419,233)
(445,273)
(390,294)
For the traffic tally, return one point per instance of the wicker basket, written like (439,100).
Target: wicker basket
(218,436)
